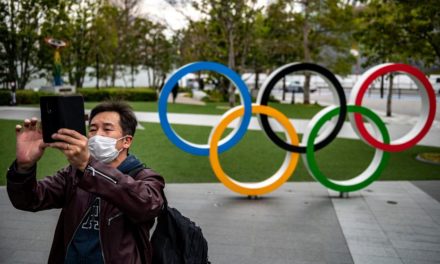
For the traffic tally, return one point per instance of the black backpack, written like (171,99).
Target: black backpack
(177,239)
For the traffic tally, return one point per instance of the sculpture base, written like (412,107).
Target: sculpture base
(59,89)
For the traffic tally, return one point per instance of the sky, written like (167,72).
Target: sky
(161,11)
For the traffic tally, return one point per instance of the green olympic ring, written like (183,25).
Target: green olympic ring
(365,178)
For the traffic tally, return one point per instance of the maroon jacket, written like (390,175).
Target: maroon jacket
(128,207)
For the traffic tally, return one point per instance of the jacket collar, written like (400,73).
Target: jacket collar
(129,164)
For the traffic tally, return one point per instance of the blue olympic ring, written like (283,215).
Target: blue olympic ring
(234,137)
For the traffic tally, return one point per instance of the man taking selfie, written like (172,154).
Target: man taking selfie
(108,199)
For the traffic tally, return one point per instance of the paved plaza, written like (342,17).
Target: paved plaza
(388,222)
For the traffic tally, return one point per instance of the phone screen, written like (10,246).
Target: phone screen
(61,112)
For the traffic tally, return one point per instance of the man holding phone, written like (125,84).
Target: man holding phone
(108,198)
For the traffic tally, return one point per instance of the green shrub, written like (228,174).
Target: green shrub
(89,94)
(22,97)
(27,97)
(139,94)
(5,97)
(215,96)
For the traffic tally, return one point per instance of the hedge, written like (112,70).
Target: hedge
(5,97)
(89,94)
(22,97)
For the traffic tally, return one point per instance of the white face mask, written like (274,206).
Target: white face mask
(104,148)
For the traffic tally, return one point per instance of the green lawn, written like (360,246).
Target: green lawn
(292,111)
(253,159)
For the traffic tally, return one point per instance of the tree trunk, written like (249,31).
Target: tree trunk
(97,71)
(113,77)
(257,75)
(390,95)
(149,76)
(68,62)
(307,57)
(307,77)
(381,86)
(231,56)
(80,72)
(284,89)
(132,75)
(11,47)
(257,80)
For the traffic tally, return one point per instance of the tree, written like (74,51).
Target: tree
(420,24)
(382,39)
(124,20)
(283,37)
(197,43)
(4,69)
(231,21)
(19,27)
(56,24)
(83,38)
(327,27)
(105,42)
(71,21)
(258,55)
(158,51)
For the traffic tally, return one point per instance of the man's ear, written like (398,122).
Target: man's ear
(127,142)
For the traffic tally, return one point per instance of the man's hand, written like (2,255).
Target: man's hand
(30,146)
(74,147)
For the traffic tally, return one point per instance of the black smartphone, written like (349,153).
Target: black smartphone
(61,112)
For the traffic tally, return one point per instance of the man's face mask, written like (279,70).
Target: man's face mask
(104,148)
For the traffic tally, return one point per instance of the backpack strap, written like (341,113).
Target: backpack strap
(136,170)
(133,174)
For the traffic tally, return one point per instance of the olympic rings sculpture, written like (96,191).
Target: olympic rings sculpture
(311,141)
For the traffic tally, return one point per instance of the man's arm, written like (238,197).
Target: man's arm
(23,189)
(26,193)
(140,199)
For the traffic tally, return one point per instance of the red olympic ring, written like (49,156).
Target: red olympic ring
(428,106)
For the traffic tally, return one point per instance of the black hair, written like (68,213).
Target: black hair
(127,118)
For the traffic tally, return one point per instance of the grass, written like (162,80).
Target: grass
(253,159)
(299,111)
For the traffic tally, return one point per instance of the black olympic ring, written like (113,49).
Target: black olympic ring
(296,67)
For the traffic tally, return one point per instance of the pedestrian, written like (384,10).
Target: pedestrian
(175,91)
(13,94)
(232,96)
(107,213)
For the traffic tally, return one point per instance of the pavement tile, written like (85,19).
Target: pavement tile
(400,236)
(417,261)
(28,256)
(368,259)
(373,250)
(299,223)
(5,254)
(419,255)
(405,244)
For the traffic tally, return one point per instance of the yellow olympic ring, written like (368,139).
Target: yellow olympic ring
(273,182)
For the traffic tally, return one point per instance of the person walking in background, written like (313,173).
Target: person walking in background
(175,91)
(232,96)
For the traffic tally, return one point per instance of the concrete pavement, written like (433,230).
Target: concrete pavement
(387,223)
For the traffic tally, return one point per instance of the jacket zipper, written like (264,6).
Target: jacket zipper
(96,172)
(100,240)
(109,220)
(82,219)
(80,222)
